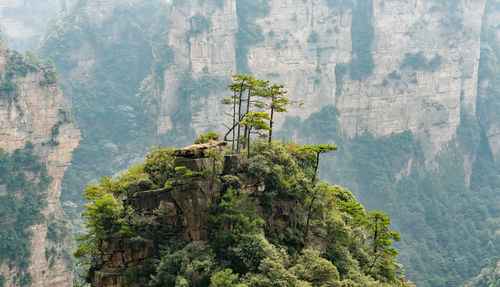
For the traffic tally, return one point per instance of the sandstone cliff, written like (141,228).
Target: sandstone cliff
(32,112)
(303,43)
(183,209)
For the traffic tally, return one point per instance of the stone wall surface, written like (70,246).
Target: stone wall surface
(427,102)
(31,117)
(196,55)
(489,100)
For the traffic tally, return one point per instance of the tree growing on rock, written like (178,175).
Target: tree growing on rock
(381,238)
(249,93)
(277,104)
(316,150)
(255,121)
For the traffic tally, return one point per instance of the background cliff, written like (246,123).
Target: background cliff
(407,89)
(24,22)
(37,138)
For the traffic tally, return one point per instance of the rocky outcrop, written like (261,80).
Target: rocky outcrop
(34,113)
(182,209)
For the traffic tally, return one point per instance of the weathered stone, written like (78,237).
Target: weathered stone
(198,150)
(184,208)
(197,164)
(233,163)
(31,118)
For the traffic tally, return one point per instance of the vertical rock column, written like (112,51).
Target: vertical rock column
(32,116)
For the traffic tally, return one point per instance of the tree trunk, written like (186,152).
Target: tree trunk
(315,168)
(271,125)
(248,145)
(309,211)
(245,135)
(239,116)
(234,119)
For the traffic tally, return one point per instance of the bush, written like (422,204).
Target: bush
(312,268)
(159,165)
(208,137)
(418,61)
(199,24)
(190,266)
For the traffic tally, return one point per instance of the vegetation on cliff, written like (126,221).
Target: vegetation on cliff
(104,93)
(444,220)
(19,66)
(489,276)
(252,240)
(25,179)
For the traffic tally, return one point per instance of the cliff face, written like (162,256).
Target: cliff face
(182,209)
(24,22)
(197,52)
(303,43)
(488,101)
(34,113)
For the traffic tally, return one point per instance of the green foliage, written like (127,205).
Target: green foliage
(50,77)
(199,24)
(2,281)
(243,234)
(425,205)
(316,270)
(274,163)
(362,33)
(256,121)
(19,65)
(49,253)
(25,179)
(8,89)
(58,229)
(418,61)
(489,276)
(190,266)
(159,165)
(235,216)
(381,239)
(164,57)
(224,278)
(205,138)
(26,279)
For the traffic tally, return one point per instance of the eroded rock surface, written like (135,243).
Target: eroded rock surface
(35,114)
(183,209)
